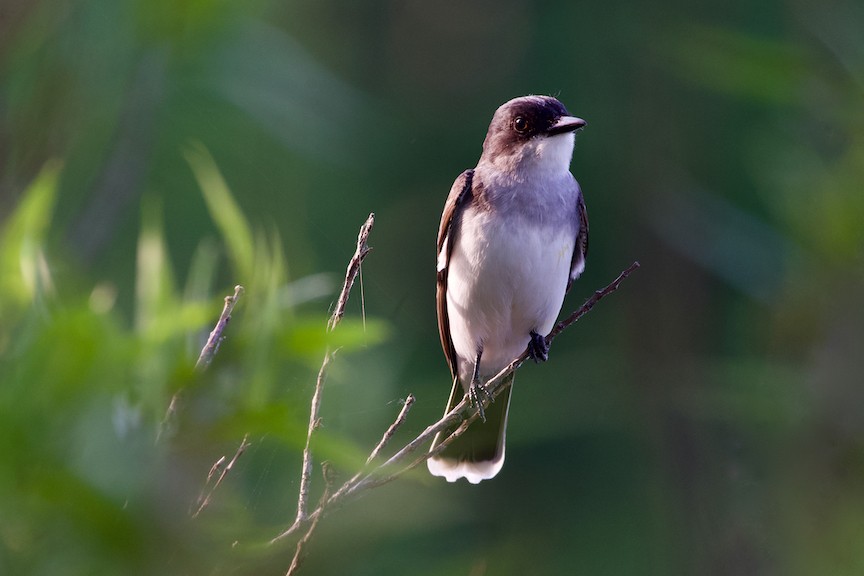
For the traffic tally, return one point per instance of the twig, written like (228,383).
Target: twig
(460,417)
(204,498)
(400,419)
(306,472)
(589,304)
(212,345)
(301,544)
(170,412)
(350,276)
(494,384)
(349,487)
(351,273)
(385,439)
(379,479)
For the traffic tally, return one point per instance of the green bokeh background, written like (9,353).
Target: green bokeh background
(708,418)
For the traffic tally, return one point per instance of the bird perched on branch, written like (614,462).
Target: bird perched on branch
(512,239)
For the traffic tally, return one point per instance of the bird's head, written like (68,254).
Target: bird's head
(531,133)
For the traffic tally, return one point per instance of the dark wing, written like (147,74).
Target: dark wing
(460,193)
(580,248)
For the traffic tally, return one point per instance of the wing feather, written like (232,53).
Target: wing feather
(580,247)
(459,196)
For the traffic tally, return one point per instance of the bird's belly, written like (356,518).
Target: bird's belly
(503,282)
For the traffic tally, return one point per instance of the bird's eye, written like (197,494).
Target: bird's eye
(521,124)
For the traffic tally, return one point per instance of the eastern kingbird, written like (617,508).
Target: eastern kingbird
(513,237)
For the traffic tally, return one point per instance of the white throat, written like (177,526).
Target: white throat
(543,157)
(551,154)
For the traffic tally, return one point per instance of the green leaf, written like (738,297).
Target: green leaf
(202,271)
(24,272)
(154,285)
(224,210)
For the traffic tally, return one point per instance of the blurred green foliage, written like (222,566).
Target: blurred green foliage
(706,419)
(89,449)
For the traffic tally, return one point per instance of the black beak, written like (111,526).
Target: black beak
(566,124)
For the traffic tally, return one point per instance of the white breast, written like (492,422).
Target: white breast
(505,279)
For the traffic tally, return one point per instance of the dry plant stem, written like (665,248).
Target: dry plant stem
(494,384)
(212,345)
(349,487)
(169,415)
(298,551)
(379,479)
(462,412)
(353,269)
(461,416)
(385,439)
(400,419)
(589,304)
(204,498)
(306,473)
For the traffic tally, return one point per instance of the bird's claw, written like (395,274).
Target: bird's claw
(477,396)
(538,348)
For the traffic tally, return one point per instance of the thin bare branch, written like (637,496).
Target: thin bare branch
(306,472)
(379,477)
(212,346)
(350,276)
(385,439)
(391,431)
(353,269)
(301,544)
(165,426)
(222,470)
(589,304)
(494,384)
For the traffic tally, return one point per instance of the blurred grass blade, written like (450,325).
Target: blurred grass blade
(202,271)
(23,270)
(224,210)
(153,279)
(159,312)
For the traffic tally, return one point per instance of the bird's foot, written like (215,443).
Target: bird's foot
(477,396)
(538,348)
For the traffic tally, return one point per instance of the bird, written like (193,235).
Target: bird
(512,239)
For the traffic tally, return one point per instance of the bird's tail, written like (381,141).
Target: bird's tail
(479,453)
